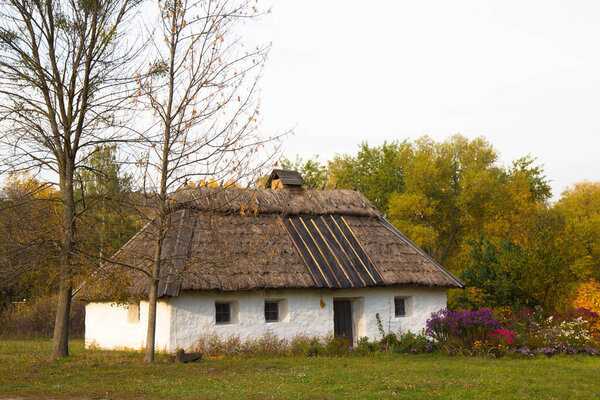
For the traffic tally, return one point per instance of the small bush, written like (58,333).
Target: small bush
(389,341)
(364,347)
(315,349)
(267,345)
(301,343)
(459,331)
(35,319)
(335,346)
(551,333)
(411,343)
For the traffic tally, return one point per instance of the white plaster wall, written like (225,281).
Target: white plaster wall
(106,326)
(193,314)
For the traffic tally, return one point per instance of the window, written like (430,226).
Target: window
(133,313)
(222,313)
(400,307)
(271,311)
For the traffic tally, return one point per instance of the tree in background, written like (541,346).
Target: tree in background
(471,214)
(28,239)
(522,273)
(377,172)
(29,242)
(449,187)
(588,297)
(63,70)
(105,191)
(439,194)
(579,205)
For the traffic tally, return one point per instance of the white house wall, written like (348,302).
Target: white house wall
(193,314)
(182,320)
(107,326)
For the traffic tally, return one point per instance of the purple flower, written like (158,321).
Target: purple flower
(547,351)
(589,350)
(524,351)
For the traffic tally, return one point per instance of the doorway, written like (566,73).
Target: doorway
(342,320)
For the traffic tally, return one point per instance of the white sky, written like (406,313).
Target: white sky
(524,74)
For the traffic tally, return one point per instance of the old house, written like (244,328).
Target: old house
(284,259)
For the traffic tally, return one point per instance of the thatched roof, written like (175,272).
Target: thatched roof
(231,239)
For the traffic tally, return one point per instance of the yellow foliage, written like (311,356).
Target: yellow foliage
(588,296)
(212,183)
(29,185)
(580,207)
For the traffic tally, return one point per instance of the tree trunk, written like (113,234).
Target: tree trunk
(60,340)
(153,294)
(152,297)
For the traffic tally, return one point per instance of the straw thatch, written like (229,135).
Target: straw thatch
(283,202)
(235,239)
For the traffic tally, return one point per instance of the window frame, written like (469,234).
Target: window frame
(221,313)
(277,311)
(404,307)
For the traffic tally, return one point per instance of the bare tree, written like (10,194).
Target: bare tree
(63,70)
(201,90)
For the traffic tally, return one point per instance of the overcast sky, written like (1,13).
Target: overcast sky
(524,74)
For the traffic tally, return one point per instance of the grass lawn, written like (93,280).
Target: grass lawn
(25,371)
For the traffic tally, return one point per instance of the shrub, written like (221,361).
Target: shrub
(213,346)
(552,333)
(456,331)
(364,347)
(335,346)
(266,345)
(35,319)
(315,349)
(389,341)
(301,343)
(411,343)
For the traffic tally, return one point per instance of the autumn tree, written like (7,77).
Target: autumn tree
(106,192)
(522,273)
(28,238)
(63,74)
(448,188)
(580,207)
(201,91)
(377,172)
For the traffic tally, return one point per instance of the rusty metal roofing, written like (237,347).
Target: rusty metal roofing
(331,251)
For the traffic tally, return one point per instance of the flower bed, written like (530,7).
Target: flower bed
(527,332)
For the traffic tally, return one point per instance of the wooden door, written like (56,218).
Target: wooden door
(342,319)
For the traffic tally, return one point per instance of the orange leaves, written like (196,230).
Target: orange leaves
(588,296)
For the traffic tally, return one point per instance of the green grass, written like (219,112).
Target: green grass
(26,371)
